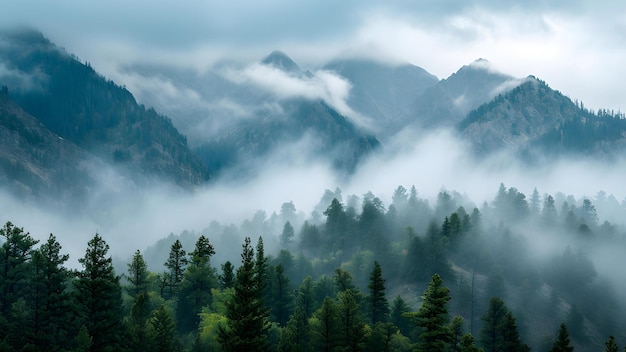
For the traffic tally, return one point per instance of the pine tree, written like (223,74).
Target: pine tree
(562,343)
(378,304)
(51,300)
(140,337)
(195,288)
(99,297)
(351,322)
(227,278)
(456,333)
(137,275)
(15,263)
(432,317)
(398,316)
(176,263)
(247,324)
(499,331)
(325,331)
(163,329)
(468,345)
(611,345)
(282,296)
(287,235)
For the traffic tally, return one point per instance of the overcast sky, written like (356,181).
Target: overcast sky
(577,47)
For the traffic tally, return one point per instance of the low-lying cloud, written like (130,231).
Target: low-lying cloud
(318,85)
(431,162)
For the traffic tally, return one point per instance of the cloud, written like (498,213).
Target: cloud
(321,84)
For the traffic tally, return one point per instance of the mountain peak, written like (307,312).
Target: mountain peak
(482,64)
(280,60)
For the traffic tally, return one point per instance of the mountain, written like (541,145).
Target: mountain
(533,118)
(382,92)
(240,116)
(328,135)
(281,61)
(451,99)
(37,164)
(102,118)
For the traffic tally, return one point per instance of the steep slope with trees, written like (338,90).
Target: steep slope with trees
(78,104)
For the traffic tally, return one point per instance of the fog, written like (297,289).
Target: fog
(131,218)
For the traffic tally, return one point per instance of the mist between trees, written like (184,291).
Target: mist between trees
(518,272)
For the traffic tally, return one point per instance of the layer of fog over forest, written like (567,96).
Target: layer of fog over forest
(135,219)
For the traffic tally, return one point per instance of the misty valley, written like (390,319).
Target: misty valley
(354,206)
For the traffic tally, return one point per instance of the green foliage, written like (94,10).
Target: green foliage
(137,275)
(611,345)
(163,329)
(176,263)
(562,343)
(286,237)
(399,316)
(432,317)
(282,297)
(351,323)
(499,331)
(51,300)
(99,297)
(227,278)
(195,289)
(325,327)
(378,304)
(247,321)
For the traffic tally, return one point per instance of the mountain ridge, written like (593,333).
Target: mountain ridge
(80,105)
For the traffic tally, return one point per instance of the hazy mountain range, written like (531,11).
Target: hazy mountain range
(61,122)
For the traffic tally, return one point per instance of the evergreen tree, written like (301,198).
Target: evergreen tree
(398,316)
(51,300)
(296,336)
(350,321)
(99,297)
(343,281)
(262,274)
(378,304)
(562,343)
(163,329)
(432,317)
(512,340)
(282,296)
(140,337)
(380,337)
(247,325)
(15,257)
(456,333)
(535,203)
(611,345)
(227,278)
(499,332)
(195,288)
(436,251)
(82,341)
(548,212)
(468,345)
(325,331)
(176,263)
(137,275)
(287,235)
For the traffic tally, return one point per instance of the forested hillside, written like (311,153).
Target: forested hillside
(73,101)
(512,274)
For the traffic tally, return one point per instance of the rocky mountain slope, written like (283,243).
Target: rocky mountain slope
(534,119)
(76,103)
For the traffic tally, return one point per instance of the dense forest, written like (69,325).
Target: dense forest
(513,274)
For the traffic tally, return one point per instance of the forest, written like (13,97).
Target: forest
(516,273)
